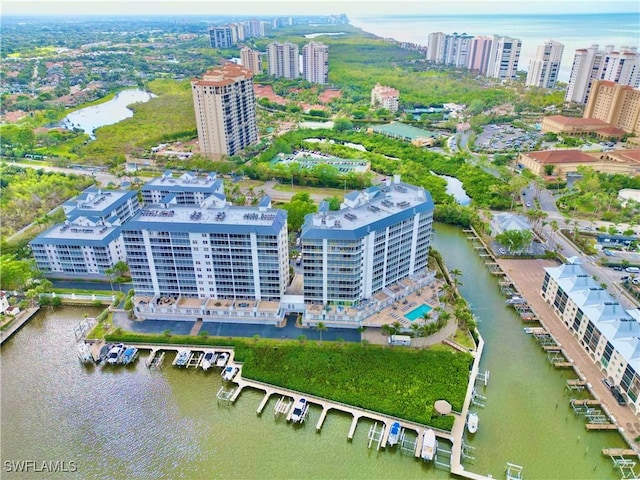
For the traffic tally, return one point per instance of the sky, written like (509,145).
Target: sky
(356,8)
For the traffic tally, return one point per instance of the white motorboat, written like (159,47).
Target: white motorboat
(221,361)
(84,354)
(182,357)
(472,422)
(299,410)
(129,355)
(394,433)
(114,355)
(229,372)
(208,360)
(428,445)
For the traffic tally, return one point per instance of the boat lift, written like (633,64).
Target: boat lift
(477,399)
(225,395)
(407,445)
(467,451)
(626,466)
(194,360)
(514,472)
(83,327)
(283,405)
(155,360)
(442,457)
(483,377)
(375,435)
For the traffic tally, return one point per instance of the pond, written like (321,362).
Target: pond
(455,189)
(90,118)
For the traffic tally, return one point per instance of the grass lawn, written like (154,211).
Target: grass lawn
(398,382)
(329,192)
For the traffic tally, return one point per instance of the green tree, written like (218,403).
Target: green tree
(515,240)
(321,327)
(299,206)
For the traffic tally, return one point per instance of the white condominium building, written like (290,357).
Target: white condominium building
(544,68)
(187,189)
(503,58)
(315,63)
(435,47)
(283,60)
(608,333)
(221,37)
(219,251)
(379,236)
(225,109)
(251,59)
(385,97)
(589,64)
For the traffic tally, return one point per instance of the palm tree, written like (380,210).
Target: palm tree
(321,327)
(416,329)
(386,329)
(396,326)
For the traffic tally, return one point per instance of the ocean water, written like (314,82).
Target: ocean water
(574,31)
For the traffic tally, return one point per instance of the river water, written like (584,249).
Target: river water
(90,118)
(138,424)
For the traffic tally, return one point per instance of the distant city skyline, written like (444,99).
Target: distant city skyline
(353,7)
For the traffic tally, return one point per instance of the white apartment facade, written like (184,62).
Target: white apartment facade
(379,236)
(315,63)
(283,60)
(620,66)
(504,57)
(608,333)
(545,66)
(225,109)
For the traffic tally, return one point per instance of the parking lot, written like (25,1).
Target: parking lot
(506,137)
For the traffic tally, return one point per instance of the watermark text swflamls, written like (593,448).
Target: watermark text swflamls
(36,466)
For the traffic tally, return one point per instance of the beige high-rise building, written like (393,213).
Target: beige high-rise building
(618,105)
(479,54)
(385,97)
(283,59)
(251,59)
(225,108)
(503,58)
(315,62)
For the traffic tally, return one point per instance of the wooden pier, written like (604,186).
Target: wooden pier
(601,426)
(17,323)
(619,452)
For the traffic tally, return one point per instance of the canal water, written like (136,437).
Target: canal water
(133,423)
(90,118)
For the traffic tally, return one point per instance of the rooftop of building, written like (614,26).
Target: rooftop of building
(625,155)
(187,181)
(561,156)
(400,130)
(81,231)
(619,326)
(95,201)
(228,219)
(364,211)
(224,75)
(575,121)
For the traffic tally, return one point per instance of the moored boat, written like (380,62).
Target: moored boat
(428,445)
(472,422)
(229,372)
(84,354)
(104,352)
(208,360)
(221,361)
(182,357)
(115,354)
(394,433)
(129,355)
(299,410)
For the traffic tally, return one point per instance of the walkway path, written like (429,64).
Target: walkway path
(22,318)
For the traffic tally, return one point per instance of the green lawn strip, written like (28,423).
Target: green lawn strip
(400,382)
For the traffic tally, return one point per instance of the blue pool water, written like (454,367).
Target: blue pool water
(417,312)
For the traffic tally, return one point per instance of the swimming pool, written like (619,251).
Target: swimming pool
(417,312)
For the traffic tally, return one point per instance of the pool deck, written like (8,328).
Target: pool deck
(397,311)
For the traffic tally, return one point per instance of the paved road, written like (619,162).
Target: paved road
(102,178)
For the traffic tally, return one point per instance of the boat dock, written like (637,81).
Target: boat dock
(17,323)
(457,452)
